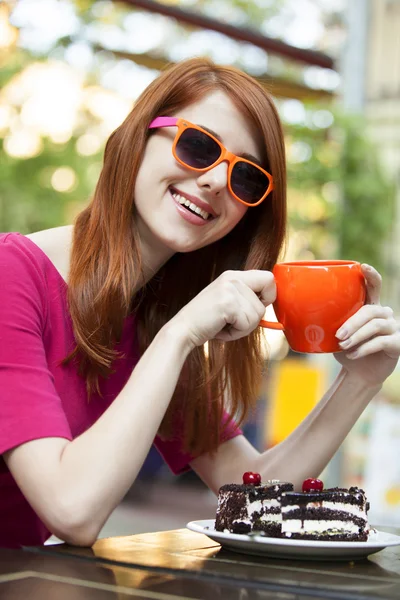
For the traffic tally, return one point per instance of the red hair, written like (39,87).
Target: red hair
(106,259)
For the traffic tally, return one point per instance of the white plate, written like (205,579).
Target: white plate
(298,549)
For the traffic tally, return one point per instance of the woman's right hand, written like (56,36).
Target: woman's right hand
(229,308)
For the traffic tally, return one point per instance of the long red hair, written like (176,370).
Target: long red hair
(106,259)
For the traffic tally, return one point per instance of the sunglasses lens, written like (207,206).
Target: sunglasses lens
(248,183)
(196,149)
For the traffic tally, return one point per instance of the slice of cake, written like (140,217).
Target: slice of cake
(248,507)
(273,509)
(334,514)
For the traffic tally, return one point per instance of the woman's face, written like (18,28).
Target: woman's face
(165,225)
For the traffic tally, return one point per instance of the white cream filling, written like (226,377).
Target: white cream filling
(191,205)
(330,527)
(259,505)
(253,507)
(272,518)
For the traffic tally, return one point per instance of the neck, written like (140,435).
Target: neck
(154,253)
(153,258)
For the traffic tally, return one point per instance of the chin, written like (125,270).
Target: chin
(184,246)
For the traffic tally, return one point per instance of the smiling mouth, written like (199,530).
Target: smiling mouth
(191,206)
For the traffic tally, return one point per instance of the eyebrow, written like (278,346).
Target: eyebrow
(245,155)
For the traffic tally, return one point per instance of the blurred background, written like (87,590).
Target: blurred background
(70,71)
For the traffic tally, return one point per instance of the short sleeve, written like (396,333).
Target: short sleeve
(30,407)
(178,460)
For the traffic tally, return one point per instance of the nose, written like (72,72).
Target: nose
(215,179)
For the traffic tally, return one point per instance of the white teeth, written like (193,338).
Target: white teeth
(191,205)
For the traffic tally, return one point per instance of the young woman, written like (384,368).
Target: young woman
(103,325)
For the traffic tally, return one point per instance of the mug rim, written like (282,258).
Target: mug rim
(317,263)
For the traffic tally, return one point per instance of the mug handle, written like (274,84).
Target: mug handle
(272,325)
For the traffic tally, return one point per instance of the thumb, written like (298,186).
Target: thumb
(374,284)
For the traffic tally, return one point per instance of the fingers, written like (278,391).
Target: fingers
(374,283)
(261,283)
(373,328)
(240,293)
(382,325)
(229,308)
(251,298)
(389,344)
(373,316)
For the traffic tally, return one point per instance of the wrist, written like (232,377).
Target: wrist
(175,334)
(359,384)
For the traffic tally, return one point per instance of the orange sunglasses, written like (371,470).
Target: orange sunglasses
(198,150)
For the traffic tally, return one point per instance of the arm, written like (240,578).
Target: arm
(371,345)
(304,453)
(74,485)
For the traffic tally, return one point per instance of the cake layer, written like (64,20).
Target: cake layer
(322,513)
(246,508)
(328,536)
(268,529)
(353,496)
(257,492)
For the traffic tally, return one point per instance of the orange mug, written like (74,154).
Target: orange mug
(314,298)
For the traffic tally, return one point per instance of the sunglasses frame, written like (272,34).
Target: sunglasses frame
(229,157)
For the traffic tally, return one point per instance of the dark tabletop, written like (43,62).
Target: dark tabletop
(183,564)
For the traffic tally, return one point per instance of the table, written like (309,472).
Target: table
(181,564)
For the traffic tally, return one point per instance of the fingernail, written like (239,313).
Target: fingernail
(341,333)
(352,354)
(345,344)
(367,267)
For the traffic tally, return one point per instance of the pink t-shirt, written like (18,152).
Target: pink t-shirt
(40,397)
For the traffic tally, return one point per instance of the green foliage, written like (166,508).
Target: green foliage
(250,13)
(339,197)
(340,203)
(367,213)
(28,201)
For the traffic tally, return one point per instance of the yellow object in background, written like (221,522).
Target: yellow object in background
(296,387)
(392,496)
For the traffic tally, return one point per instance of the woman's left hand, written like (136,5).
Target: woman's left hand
(370,339)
